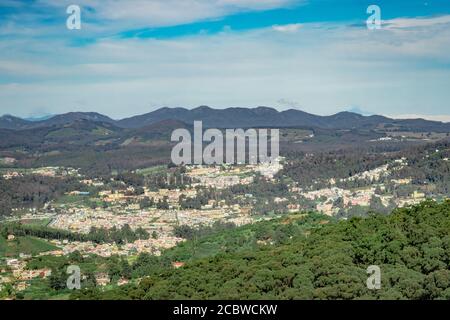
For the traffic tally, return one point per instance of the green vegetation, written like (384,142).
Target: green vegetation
(295,135)
(25,245)
(54,287)
(151,170)
(80,201)
(226,238)
(33,191)
(411,246)
(37,222)
(101,131)
(64,132)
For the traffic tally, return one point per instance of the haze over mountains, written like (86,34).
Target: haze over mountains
(234,118)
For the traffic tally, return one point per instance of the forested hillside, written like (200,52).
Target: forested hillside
(32,191)
(411,246)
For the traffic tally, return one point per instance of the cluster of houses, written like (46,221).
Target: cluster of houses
(326,198)
(19,275)
(152,246)
(227,176)
(154,221)
(44,171)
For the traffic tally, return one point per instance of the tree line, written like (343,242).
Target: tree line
(96,235)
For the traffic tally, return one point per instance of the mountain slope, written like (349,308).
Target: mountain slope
(11,122)
(78,132)
(15,123)
(70,118)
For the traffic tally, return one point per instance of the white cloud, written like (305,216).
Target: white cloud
(294,27)
(402,23)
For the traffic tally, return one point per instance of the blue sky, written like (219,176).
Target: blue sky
(134,56)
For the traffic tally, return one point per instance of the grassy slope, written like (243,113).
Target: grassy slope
(26,245)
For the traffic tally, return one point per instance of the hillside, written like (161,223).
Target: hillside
(24,245)
(411,246)
(95,146)
(10,122)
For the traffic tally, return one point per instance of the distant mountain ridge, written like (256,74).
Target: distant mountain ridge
(235,118)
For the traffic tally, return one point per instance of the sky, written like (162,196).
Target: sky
(134,56)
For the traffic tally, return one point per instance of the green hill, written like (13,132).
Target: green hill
(411,246)
(25,245)
(222,238)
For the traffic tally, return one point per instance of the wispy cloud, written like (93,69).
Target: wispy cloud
(402,23)
(287,27)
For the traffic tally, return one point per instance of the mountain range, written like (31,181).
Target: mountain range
(234,118)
